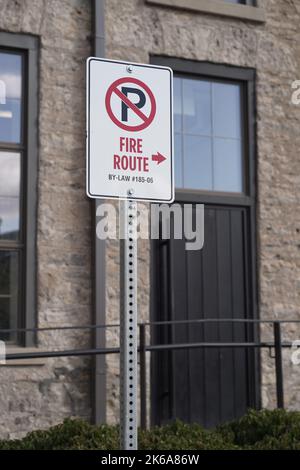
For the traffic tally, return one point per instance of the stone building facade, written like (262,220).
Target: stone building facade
(264,38)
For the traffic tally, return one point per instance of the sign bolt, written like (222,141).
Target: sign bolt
(130,192)
(129,68)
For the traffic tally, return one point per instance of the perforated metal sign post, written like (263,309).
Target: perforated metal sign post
(128,327)
(129,157)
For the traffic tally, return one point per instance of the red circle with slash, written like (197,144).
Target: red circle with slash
(147,120)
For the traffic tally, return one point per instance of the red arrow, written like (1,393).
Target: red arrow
(158,157)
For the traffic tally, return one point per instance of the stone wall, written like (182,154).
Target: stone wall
(37,396)
(134,31)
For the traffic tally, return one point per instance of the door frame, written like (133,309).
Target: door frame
(247,77)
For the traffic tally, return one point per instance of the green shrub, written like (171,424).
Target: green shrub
(181,436)
(71,434)
(265,429)
(256,430)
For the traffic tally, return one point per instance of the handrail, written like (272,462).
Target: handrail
(143,348)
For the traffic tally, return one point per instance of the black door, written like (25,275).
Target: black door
(216,384)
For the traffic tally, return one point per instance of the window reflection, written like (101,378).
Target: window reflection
(8,293)
(177,106)
(178,161)
(9,195)
(198,170)
(10,97)
(226,106)
(196,107)
(227,165)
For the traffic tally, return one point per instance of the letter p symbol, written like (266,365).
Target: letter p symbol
(140,104)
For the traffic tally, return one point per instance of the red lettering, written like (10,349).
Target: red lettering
(129,144)
(132,145)
(131,163)
(124,162)
(117,162)
(146,164)
(122,143)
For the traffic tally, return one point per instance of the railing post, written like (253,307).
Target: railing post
(278,364)
(143,372)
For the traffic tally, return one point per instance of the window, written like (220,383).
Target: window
(18,163)
(208,135)
(246,10)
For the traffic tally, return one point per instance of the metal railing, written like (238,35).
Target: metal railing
(277,344)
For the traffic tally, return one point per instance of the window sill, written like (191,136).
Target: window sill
(23,362)
(216,7)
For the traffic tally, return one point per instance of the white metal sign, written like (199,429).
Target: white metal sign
(129,131)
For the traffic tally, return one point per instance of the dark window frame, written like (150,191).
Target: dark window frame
(248,11)
(246,76)
(28,147)
(206,70)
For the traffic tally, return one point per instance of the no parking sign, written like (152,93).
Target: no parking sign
(129,131)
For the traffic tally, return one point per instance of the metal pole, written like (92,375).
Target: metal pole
(143,376)
(278,365)
(128,325)
(99,307)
